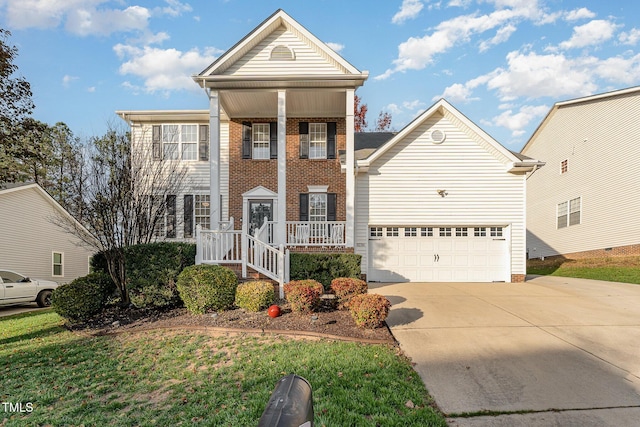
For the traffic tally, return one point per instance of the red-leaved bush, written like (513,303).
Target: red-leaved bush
(346,288)
(303,295)
(369,310)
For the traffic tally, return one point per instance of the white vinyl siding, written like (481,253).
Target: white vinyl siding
(197,180)
(27,217)
(600,140)
(308,60)
(480,190)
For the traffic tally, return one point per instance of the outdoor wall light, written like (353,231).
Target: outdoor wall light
(442,193)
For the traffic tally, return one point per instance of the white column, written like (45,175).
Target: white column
(214,158)
(351,177)
(281,213)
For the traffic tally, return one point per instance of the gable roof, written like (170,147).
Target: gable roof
(600,97)
(23,186)
(516,163)
(215,73)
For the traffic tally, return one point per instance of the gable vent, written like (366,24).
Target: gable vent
(281,52)
(438,136)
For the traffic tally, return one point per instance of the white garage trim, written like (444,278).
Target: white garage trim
(448,253)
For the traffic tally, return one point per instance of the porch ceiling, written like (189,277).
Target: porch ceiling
(300,103)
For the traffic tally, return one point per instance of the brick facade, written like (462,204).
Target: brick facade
(517,278)
(246,174)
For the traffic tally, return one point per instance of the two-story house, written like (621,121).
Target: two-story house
(586,201)
(440,200)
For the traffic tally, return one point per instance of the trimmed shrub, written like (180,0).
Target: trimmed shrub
(83,297)
(255,296)
(369,310)
(346,288)
(207,288)
(303,295)
(324,267)
(152,271)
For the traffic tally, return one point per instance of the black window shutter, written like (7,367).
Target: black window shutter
(203,146)
(246,140)
(171,215)
(332,201)
(188,215)
(273,139)
(304,139)
(304,207)
(331,141)
(156,141)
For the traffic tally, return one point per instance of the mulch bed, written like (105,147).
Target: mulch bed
(327,322)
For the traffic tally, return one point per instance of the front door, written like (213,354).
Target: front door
(258,210)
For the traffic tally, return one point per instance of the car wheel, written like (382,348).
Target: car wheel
(44,299)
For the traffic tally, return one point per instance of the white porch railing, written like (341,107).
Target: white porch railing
(218,246)
(312,233)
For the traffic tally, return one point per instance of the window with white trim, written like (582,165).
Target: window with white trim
(201,211)
(569,212)
(57,261)
(317,140)
(426,232)
(392,232)
(317,207)
(496,231)
(375,232)
(564,166)
(260,141)
(461,232)
(480,232)
(180,142)
(410,231)
(445,231)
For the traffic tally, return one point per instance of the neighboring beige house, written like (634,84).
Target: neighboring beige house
(586,201)
(438,201)
(30,244)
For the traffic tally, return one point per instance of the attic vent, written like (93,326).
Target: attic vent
(281,52)
(437,136)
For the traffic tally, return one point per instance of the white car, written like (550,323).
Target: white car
(16,288)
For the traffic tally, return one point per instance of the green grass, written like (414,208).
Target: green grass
(615,269)
(188,378)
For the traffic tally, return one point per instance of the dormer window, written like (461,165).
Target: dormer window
(282,53)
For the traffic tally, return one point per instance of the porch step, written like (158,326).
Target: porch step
(251,274)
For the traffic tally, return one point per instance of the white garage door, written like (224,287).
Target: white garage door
(438,254)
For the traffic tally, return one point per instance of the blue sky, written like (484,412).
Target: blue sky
(502,63)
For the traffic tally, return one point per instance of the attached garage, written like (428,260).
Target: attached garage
(441,201)
(438,254)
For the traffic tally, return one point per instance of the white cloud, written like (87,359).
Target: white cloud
(335,46)
(459,3)
(393,108)
(84,17)
(408,10)
(418,52)
(91,89)
(412,105)
(516,122)
(67,79)
(456,93)
(86,22)
(163,69)
(591,33)
(576,14)
(502,35)
(630,37)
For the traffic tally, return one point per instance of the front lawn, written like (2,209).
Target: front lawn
(191,378)
(615,269)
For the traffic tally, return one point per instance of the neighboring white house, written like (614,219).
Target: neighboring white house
(586,201)
(439,201)
(30,244)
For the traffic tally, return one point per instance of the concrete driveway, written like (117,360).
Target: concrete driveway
(9,310)
(565,351)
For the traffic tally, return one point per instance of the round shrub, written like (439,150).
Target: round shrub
(346,288)
(369,310)
(154,295)
(207,288)
(83,297)
(254,296)
(303,295)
